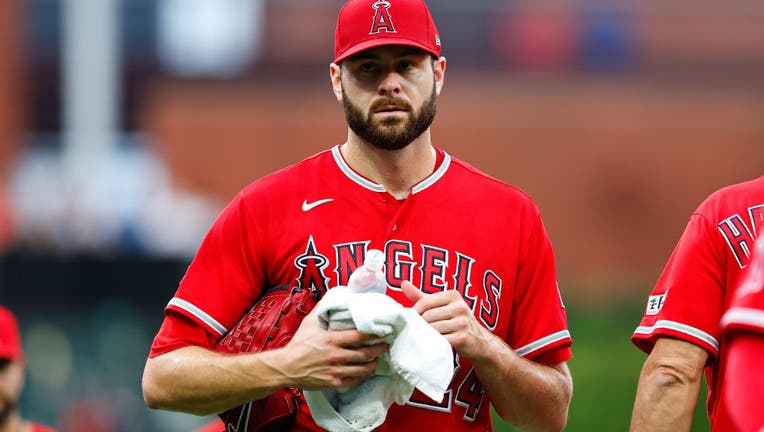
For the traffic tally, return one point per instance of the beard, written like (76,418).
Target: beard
(390,133)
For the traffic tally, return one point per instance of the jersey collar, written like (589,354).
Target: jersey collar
(430,180)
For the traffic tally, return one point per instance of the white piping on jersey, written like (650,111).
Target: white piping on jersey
(552,338)
(368,184)
(746,316)
(195,311)
(432,178)
(682,328)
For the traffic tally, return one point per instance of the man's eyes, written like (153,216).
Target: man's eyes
(405,65)
(370,67)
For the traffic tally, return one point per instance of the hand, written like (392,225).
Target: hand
(447,312)
(316,358)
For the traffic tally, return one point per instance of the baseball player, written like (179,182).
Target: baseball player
(680,328)
(466,251)
(12,377)
(743,330)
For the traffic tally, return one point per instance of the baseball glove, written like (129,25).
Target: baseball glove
(269,324)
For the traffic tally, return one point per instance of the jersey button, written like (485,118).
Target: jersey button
(395,227)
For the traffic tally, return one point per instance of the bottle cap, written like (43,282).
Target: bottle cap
(374,260)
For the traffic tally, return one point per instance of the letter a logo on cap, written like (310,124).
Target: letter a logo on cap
(413,27)
(382,20)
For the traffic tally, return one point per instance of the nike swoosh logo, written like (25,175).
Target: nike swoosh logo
(243,422)
(306,206)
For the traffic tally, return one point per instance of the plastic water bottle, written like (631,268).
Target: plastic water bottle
(369,277)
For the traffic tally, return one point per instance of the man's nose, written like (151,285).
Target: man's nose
(390,84)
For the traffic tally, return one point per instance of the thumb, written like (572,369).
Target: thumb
(411,292)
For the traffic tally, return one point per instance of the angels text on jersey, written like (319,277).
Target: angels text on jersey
(465,390)
(436,273)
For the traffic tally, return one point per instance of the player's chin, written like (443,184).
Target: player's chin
(392,129)
(390,125)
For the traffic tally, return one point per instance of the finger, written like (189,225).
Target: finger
(412,292)
(432,301)
(438,314)
(363,354)
(346,338)
(355,374)
(372,339)
(446,327)
(374,351)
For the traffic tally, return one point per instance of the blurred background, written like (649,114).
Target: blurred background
(126,125)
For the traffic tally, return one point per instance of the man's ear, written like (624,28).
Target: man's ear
(335,74)
(439,69)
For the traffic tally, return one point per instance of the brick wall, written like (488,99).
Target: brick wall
(616,166)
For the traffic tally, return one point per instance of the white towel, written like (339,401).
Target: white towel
(419,357)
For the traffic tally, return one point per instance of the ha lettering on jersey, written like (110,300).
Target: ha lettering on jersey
(739,235)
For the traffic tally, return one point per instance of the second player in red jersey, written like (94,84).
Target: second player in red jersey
(680,327)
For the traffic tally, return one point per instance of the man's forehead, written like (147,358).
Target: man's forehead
(389,51)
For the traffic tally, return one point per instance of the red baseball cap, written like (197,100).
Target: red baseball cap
(364,24)
(10,340)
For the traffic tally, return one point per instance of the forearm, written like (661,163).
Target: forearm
(529,395)
(199,381)
(668,387)
(663,403)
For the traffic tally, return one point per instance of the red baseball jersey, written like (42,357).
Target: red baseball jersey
(742,325)
(702,274)
(459,229)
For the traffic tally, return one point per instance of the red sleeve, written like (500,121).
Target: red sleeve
(227,273)
(538,328)
(688,298)
(554,355)
(178,331)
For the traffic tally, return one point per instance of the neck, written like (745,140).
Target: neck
(397,170)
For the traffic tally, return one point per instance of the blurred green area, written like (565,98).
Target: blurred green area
(605,368)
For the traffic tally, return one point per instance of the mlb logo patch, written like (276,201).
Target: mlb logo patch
(654,304)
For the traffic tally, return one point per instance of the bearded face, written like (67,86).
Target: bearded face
(393,132)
